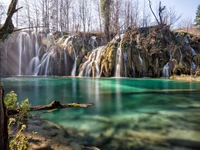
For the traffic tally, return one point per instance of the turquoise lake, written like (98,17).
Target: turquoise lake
(124,109)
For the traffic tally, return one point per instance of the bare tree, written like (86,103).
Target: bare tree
(186,23)
(98,10)
(160,12)
(115,14)
(172,17)
(105,9)
(146,19)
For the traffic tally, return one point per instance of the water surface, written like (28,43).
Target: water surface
(124,108)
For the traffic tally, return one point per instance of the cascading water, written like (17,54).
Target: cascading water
(193,66)
(43,66)
(181,56)
(165,72)
(65,44)
(93,41)
(73,73)
(91,62)
(186,40)
(141,60)
(24,46)
(193,52)
(35,61)
(125,62)
(133,68)
(118,58)
(67,40)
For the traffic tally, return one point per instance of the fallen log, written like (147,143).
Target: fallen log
(52,105)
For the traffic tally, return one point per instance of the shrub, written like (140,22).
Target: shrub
(11,100)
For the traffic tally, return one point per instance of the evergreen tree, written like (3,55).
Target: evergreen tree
(197,19)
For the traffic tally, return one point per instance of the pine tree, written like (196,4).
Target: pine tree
(197,19)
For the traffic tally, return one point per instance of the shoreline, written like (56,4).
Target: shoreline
(185,78)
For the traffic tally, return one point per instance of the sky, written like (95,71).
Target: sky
(187,8)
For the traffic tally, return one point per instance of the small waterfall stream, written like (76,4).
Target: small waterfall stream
(181,56)
(44,65)
(93,41)
(65,58)
(24,46)
(91,62)
(35,61)
(193,53)
(125,63)
(166,71)
(118,58)
(73,73)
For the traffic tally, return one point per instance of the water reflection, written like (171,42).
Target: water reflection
(118,96)
(129,107)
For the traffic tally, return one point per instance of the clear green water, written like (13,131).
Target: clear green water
(158,107)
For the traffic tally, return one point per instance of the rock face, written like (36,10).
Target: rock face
(145,52)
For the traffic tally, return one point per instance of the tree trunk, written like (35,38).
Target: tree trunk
(4,31)
(3,123)
(52,105)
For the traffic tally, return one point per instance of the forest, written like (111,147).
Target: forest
(89,15)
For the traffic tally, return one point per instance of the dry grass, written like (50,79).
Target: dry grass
(185,78)
(194,31)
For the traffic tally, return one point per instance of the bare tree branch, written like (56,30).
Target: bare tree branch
(153,12)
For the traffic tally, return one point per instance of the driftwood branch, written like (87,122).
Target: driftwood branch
(53,105)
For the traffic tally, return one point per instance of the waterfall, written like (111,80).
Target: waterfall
(20,49)
(170,56)
(93,41)
(44,65)
(67,40)
(118,58)
(65,59)
(193,66)
(165,72)
(193,52)
(73,73)
(125,62)
(24,46)
(141,61)
(181,57)
(186,40)
(35,61)
(133,68)
(91,62)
